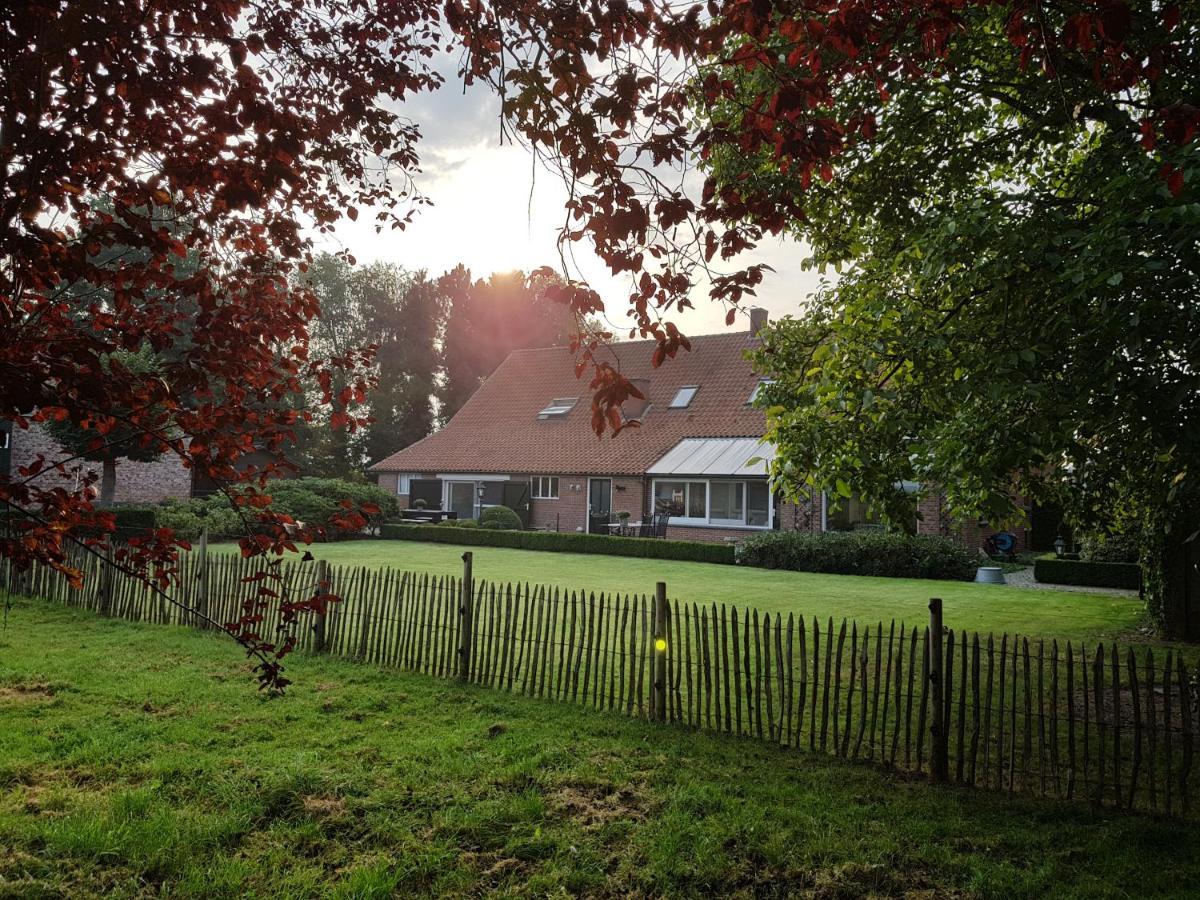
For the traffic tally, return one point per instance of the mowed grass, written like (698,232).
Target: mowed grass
(980,607)
(138,760)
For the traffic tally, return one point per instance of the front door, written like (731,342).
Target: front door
(599,505)
(515,496)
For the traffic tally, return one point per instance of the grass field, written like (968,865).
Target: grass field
(138,760)
(972,606)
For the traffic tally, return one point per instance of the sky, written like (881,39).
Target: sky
(494,211)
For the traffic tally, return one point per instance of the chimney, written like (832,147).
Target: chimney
(758,320)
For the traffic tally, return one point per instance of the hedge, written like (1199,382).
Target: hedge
(564,542)
(309,500)
(1050,569)
(886,554)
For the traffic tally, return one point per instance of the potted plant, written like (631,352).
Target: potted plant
(623,519)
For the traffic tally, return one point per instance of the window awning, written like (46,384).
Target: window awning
(716,458)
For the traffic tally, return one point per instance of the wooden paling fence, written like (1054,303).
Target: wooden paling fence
(1114,725)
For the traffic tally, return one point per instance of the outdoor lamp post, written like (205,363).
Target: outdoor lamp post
(1060,546)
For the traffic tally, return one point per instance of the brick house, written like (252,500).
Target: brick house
(137,482)
(524,440)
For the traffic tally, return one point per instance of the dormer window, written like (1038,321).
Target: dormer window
(683,398)
(558,407)
(758,388)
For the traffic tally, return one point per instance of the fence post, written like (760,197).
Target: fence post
(466,618)
(939,763)
(202,569)
(319,615)
(660,652)
(106,585)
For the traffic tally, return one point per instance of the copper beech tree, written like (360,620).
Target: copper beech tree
(138,135)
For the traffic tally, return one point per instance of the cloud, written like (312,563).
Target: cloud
(494,210)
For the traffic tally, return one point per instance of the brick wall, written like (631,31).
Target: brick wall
(971,534)
(568,512)
(137,482)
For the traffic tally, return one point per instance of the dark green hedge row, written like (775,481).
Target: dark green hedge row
(565,542)
(888,554)
(1087,573)
(133,518)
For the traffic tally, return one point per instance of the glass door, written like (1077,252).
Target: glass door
(460,498)
(599,505)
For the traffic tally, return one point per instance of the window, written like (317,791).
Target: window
(758,504)
(403,483)
(728,502)
(758,387)
(682,499)
(683,398)
(558,407)
(544,487)
(719,502)
(850,515)
(3,440)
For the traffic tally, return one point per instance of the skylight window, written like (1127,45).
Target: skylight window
(758,388)
(558,407)
(683,399)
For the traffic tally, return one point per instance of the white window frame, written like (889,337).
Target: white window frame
(558,407)
(447,487)
(404,483)
(694,388)
(538,482)
(758,387)
(682,520)
(708,521)
(724,481)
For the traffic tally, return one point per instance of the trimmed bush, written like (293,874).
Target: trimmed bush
(133,518)
(1110,548)
(500,518)
(315,501)
(564,542)
(887,554)
(1050,569)
(310,500)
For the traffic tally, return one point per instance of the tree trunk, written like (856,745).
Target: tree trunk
(1181,591)
(108,482)
(1179,587)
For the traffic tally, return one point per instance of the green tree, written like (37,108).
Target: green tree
(403,314)
(400,314)
(486,321)
(1016,311)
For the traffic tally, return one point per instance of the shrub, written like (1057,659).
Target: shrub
(888,554)
(500,518)
(565,542)
(315,501)
(188,518)
(133,518)
(1050,569)
(1109,548)
(310,500)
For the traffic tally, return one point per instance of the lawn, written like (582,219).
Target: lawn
(139,760)
(972,606)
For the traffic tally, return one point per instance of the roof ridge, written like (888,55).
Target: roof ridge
(693,337)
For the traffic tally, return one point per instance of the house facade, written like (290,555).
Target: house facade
(524,440)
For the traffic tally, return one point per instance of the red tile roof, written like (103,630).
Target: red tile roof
(498,430)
